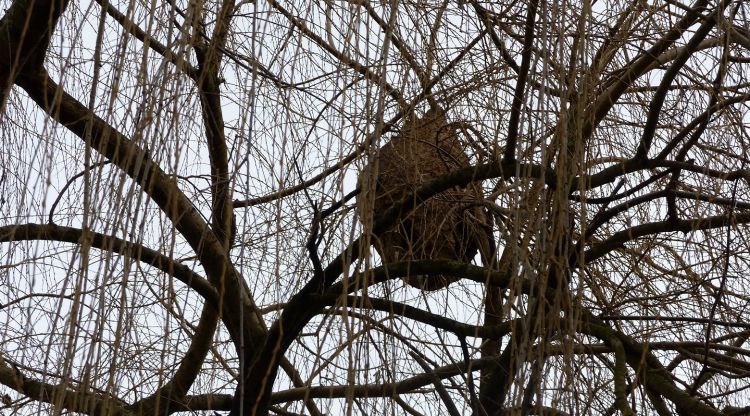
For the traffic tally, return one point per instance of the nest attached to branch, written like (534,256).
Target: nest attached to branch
(451,225)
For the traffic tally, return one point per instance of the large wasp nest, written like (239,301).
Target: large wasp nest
(450,225)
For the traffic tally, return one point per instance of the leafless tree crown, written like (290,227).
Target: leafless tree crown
(261,207)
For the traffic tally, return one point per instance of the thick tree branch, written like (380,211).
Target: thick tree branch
(460,329)
(203,336)
(618,239)
(135,162)
(238,310)
(134,251)
(649,130)
(61,395)
(208,81)
(648,367)
(140,34)
(622,80)
(25,32)
(518,96)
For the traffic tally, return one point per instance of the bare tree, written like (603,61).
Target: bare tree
(182,231)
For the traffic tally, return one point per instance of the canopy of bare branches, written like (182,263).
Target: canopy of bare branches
(191,219)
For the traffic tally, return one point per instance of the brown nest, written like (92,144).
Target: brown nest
(451,225)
